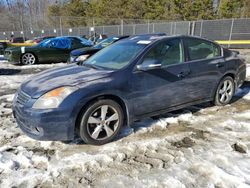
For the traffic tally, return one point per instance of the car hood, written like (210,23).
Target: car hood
(82,51)
(18,48)
(69,75)
(13,49)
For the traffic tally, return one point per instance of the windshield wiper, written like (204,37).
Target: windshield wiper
(90,66)
(93,66)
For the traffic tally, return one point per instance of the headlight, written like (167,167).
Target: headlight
(72,59)
(82,57)
(53,98)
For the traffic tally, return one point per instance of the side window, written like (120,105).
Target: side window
(53,43)
(167,52)
(60,44)
(217,50)
(76,43)
(201,49)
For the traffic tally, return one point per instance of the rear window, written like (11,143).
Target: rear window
(201,49)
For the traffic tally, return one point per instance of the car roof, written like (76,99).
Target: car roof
(150,38)
(118,37)
(147,37)
(68,37)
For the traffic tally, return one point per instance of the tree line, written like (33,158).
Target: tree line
(36,14)
(153,9)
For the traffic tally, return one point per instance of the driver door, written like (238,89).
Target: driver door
(158,88)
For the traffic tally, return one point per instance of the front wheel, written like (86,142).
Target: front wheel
(225,91)
(28,59)
(101,122)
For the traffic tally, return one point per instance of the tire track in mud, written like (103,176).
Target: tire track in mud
(136,158)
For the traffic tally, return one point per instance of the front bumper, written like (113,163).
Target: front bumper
(12,57)
(53,124)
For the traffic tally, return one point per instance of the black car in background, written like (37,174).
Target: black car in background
(82,54)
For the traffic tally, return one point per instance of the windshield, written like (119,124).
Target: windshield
(44,43)
(85,41)
(104,43)
(115,56)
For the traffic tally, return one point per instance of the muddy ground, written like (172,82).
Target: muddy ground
(199,146)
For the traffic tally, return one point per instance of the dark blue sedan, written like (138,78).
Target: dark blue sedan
(127,81)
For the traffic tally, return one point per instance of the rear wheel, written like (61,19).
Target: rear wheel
(225,91)
(101,122)
(28,59)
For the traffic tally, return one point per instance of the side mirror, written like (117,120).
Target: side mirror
(149,64)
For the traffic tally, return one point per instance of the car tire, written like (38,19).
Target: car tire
(28,59)
(225,91)
(101,122)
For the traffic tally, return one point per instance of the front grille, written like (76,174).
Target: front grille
(22,98)
(7,53)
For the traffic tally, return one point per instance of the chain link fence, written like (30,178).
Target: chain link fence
(228,29)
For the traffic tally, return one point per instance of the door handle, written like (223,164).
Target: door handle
(183,74)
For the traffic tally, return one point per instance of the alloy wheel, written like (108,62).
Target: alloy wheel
(103,122)
(226,91)
(28,59)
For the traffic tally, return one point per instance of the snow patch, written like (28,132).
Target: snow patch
(216,176)
(236,126)
(12,82)
(244,115)
(8,98)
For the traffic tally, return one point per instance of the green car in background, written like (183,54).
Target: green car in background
(52,50)
(3,46)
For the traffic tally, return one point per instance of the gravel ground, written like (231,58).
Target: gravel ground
(199,146)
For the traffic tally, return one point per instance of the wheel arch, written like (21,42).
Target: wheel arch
(231,74)
(37,59)
(113,97)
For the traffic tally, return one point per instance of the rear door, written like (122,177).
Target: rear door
(206,66)
(162,87)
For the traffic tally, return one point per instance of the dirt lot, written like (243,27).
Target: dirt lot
(200,146)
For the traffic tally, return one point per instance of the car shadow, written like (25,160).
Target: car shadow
(9,71)
(241,92)
(149,122)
